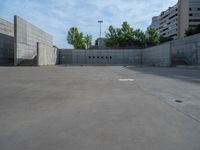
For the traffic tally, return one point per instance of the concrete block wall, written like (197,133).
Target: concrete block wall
(186,49)
(100,57)
(46,54)
(26,38)
(157,55)
(6,43)
(198,55)
(65,56)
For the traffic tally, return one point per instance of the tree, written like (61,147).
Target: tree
(139,38)
(152,37)
(165,39)
(111,37)
(125,35)
(75,38)
(87,41)
(191,31)
(119,37)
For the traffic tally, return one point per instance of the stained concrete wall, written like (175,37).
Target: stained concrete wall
(47,55)
(186,49)
(198,55)
(6,43)
(157,56)
(26,38)
(100,57)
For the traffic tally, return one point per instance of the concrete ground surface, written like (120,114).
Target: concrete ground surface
(89,108)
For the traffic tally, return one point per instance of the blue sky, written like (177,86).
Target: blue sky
(57,16)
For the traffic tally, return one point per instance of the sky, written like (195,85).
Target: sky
(57,16)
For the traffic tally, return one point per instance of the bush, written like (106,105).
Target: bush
(191,31)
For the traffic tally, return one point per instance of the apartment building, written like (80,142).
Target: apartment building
(155,23)
(176,19)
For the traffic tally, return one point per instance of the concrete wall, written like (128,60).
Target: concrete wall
(47,55)
(26,38)
(157,55)
(198,55)
(6,43)
(186,49)
(100,57)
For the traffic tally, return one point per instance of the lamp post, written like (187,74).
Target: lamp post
(100,22)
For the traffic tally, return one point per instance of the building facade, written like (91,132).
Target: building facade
(176,19)
(155,23)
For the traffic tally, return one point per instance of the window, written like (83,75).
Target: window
(195,15)
(194,20)
(195,9)
(194,3)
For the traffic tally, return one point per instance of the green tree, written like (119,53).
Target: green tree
(191,31)
(87,41)
(125,35)
(75,38)
(111,37)
(139,38)
(152,37)
(165,39)
(119,37)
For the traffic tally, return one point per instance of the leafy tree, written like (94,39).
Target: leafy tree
(191,31)
(125,35)
(111,37)
(152,37)
(87,41)
(139,38)
(75,38)
(165,39)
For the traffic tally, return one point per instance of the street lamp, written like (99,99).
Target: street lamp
(100,22)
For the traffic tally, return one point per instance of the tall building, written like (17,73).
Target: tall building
(155,23)
(176,19)
(189,15)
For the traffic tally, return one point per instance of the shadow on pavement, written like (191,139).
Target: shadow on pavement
(184,74)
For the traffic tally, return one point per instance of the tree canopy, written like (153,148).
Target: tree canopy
(88,41)
(192,30)
(152,37)
(126,36)
(77,39)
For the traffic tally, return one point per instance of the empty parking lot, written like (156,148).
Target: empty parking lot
(99,108)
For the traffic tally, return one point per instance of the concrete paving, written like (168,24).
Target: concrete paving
(89,108)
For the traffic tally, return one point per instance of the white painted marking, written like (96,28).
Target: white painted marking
(127,80)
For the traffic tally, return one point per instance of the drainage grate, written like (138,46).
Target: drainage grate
(179,101)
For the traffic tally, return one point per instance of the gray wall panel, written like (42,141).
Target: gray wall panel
(100,57)
(157,55)
(47,55)
(6,43)
(26,38)
(186,49)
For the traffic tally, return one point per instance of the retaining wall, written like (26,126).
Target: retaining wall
(186,49)
(26,38)
(157,56)
(47,55)
(100,57)
(18,44)
(6,43)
